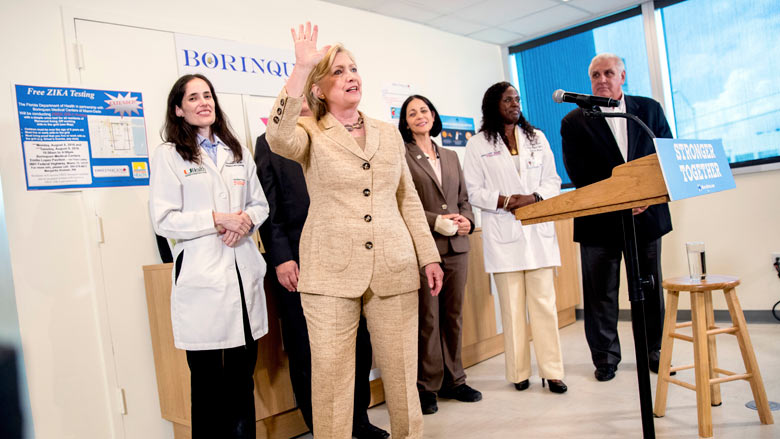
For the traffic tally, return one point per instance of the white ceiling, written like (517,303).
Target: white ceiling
(502,22)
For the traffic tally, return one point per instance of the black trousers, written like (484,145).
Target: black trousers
(295,337)
(600,283)
(222,387)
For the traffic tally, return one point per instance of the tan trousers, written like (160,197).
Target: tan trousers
(534,288)
(332,324)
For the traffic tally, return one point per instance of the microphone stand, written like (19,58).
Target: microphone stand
(637,286)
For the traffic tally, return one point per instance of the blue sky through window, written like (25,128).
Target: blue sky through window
(724,67)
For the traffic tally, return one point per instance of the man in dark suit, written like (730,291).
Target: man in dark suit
(285,189)
(591,149)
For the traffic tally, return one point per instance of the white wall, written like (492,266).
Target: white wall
(740,230)
(56,262)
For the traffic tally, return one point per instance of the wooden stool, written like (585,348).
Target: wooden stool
(705,363)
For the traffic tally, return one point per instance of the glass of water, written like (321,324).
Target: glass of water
(697,266)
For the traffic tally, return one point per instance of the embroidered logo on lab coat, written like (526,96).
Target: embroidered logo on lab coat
(194,171)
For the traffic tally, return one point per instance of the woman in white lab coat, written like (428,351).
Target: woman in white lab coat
(205,195)
(508,165)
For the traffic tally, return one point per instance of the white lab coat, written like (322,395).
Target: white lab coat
(489,170)
(205,298)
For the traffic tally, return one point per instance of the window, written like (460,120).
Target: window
(724,66)
(561,61)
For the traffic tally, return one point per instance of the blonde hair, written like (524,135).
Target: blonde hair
(318,106)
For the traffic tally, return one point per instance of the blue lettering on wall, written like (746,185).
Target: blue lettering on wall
(237,63)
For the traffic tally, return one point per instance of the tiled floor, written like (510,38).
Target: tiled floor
(591,409)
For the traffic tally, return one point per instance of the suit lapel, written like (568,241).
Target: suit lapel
(335,131)
(422,162)
(447,171)
(222,154)
(372,136)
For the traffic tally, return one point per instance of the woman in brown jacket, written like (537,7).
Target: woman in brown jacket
(439,181)
(364,241)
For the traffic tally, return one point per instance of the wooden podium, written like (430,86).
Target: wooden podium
(634,184)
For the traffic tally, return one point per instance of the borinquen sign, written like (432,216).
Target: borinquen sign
(235,67)
(693,167)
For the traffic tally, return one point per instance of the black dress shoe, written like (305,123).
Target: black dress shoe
(428,403)
(462,393)
(366,430)
(556,386)
(653,365)
(522,385)
(605,372)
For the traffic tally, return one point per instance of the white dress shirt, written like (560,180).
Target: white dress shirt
(618,126)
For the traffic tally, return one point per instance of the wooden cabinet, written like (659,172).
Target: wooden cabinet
(480,338)
(275,409)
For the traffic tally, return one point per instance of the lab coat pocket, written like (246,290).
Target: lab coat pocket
(334,249)
(202,267)
(399,253)
(504,228)
(546,230)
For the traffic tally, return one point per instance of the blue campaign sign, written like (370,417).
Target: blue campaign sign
(82,138)
(693,167)
(456,131)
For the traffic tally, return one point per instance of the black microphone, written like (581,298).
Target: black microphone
(584,101)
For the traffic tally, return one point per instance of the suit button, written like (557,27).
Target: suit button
(276,119)
(366,192)
(369,245)
(444,206)
(281,102)
(279,111)
(366,166)
(367,218)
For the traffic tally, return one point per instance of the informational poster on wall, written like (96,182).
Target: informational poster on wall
(393,95)
(456,130)
(76,138)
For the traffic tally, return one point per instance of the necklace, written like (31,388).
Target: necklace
(355,126)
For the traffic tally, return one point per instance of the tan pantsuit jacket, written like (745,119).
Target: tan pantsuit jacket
(366,227)
(362,247)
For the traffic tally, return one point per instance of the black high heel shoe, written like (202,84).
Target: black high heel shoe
(556,387)
(522,385)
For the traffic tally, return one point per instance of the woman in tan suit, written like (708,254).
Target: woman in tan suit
(364,241)
(439,181)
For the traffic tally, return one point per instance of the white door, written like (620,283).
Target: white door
(126,58)
(120,57)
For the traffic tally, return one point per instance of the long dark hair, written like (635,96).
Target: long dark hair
(493,122)
(177,131)
(403,125)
